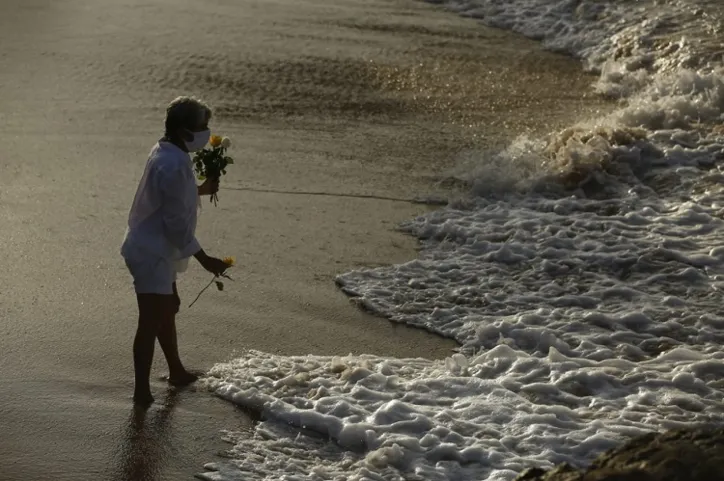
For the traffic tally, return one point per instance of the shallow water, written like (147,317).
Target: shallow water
(83,85)
(581,275)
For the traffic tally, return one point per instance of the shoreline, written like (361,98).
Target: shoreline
(79,121)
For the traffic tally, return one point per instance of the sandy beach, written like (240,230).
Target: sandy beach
(341,113)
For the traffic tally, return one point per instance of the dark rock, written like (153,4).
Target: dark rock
(679,455)
(531,474)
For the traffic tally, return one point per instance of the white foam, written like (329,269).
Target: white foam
(663,57)
(584,288)
(580,329)
(490,417)
(625,42)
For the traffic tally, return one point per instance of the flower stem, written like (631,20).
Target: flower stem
(202,291)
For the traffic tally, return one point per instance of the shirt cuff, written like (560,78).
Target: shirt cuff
(192,248)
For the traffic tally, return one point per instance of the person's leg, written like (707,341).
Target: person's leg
(150,309)
(167,338)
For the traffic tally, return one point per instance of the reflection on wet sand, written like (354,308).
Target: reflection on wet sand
(147,442)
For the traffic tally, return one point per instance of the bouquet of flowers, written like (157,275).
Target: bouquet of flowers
(210,163)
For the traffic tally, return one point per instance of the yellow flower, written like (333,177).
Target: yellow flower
(215,140)
(230,261)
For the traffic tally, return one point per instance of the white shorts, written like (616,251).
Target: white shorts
(152,275)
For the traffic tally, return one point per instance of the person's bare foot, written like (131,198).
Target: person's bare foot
(182,378)
(142,399)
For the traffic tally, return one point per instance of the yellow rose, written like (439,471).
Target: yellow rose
(215,140)
(230,261)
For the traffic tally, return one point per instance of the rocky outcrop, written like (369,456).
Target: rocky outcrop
(680,455)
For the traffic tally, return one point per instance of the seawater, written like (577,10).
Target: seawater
(582,277)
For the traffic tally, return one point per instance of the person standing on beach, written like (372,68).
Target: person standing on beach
(160,239)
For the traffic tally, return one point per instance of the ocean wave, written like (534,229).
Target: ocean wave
(620,39)
(662,59)
(488,417)
(582,279)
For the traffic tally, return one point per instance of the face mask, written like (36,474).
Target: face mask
(199,142)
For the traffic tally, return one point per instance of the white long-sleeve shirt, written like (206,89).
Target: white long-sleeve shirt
(162,220)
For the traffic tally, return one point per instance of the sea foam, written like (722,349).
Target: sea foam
(584,289)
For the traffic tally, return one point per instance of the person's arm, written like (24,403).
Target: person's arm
(211,264)
(176,212)
(201,256)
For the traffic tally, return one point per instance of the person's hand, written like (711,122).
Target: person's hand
(216,266)
(209,187)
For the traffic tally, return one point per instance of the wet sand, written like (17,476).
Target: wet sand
(340,112)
